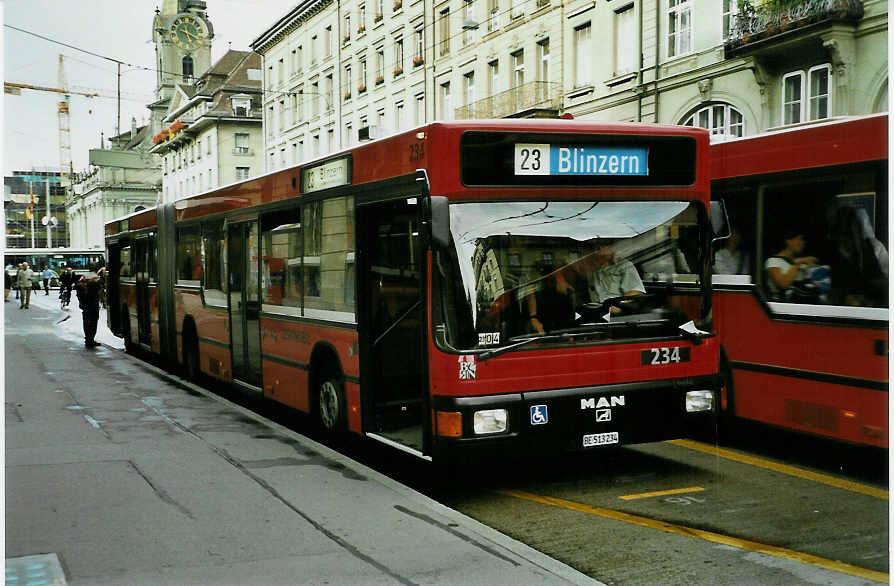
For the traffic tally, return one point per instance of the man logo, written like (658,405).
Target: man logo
(603,415)
(602,402)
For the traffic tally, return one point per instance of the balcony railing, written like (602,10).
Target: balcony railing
(534,94)
(757,21)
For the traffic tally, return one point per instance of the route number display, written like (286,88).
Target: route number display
(552,159)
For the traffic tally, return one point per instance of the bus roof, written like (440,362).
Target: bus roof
(392,157)
(834,142)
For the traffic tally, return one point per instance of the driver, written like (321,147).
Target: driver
(606,277)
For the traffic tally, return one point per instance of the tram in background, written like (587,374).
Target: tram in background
(444,289)
(816,359)
(80,260)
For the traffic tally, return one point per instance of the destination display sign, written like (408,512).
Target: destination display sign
(556,159)
(325,175)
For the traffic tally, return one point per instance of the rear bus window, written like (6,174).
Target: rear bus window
(189,268)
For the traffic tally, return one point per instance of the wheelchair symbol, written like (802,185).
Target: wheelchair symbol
(539,415)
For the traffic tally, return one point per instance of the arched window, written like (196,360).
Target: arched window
(723,120)
(139,208)
(187,68)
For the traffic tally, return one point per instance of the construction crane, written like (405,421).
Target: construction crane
(64,129)
(63,109)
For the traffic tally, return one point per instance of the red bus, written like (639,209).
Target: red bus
(812,356)
(462,286)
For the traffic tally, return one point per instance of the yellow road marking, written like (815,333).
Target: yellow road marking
(744,544)
(646,495)
(872,491)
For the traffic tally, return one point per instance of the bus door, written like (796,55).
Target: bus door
(392,334)
(244,303)
(113,294)
(144,253)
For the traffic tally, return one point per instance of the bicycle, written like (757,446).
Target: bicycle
(65,297)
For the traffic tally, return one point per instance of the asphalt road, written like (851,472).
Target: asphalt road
(690,513)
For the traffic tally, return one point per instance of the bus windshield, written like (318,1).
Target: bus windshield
(587,270)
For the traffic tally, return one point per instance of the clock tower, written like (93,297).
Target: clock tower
(182,35)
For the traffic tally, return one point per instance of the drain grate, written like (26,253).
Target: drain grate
(35,570)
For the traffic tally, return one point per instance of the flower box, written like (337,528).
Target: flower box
(398,71)
(418,60)
(397,6)
(346,39)
(378,18)
(380,79)
(361,89)
(347,96)
(361,29)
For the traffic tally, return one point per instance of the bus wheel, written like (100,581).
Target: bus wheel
(129,346)
(331,404)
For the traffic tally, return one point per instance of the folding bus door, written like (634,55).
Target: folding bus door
(144,248)
(244,303)
(392,334)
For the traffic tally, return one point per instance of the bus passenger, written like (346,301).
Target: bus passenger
(731,260)
(784,267)
(859,261)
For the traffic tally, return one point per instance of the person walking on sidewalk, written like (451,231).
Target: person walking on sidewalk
(7,285)
(88,298)
(47,275)
(24,278)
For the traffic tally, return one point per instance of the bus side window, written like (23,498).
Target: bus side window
(735,255)
(214,283)
(188,256)
(328,259)
(281,242)
(828,229)
(126,270)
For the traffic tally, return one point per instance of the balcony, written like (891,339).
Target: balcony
(534,95)
(775,23)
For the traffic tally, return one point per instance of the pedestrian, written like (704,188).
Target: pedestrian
(47,275)
(102,286)
(88,298)
(66,284)
(7,285)
(24,278)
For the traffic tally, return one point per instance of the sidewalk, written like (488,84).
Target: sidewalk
(118,474)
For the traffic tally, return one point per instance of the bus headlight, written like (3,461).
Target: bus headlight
(490,421)
(699,401)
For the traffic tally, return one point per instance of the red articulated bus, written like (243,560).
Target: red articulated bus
(462,286)
(812,200)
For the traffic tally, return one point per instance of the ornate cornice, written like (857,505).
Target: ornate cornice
(293,20)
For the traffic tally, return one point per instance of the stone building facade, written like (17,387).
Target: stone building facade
(211,133)
(336,72)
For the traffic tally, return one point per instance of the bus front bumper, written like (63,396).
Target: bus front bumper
(575,419)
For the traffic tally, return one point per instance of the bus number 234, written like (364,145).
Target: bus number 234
(665,355)
(417,151)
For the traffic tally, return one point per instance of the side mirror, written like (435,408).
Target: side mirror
(719,221)
(440,222)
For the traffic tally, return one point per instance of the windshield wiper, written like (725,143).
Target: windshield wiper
(488,354)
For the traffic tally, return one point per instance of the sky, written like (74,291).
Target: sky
(120,29)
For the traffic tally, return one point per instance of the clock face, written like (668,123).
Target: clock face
(187,32)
